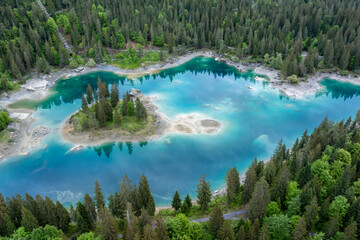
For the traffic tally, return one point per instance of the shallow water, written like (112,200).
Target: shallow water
(253,122)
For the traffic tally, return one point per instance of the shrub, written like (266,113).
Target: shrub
(74,64)
(293,79)
(91,63)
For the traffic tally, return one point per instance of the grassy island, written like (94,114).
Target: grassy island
(103,114)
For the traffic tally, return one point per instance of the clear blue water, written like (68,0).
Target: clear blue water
(253,123)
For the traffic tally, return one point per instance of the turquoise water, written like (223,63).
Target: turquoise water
(253,122)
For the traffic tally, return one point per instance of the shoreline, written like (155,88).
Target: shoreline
(38,86)
(192,123)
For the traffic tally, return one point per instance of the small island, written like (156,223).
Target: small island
(104,117)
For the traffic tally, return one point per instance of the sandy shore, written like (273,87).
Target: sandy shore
(194,123)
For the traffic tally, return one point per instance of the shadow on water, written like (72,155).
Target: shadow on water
(337,89)
(108,148)
(69,90)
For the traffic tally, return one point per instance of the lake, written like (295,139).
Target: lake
(253,122)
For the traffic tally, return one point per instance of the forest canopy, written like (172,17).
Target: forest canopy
(327,30)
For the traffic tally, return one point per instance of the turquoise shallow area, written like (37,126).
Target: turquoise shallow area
(253,122)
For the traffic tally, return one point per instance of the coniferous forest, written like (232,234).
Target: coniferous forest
(308,191)
(274,32)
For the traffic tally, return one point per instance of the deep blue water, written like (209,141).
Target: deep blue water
(253,122)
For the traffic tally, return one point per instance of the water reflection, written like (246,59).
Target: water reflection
(337,89)
(69,90)
(108,148)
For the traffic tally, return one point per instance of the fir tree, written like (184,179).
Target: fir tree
(89,94)
(161,230)
(28,221)
(176,202)
(249,184)
(259,200)
(124,108)
(203,194)
(225,232)
(114,97)
(84,105)
(90,208)
(146,200)
(107,224)
(299,233)
(216,220)
(232,184)
(82,218)
(99,197)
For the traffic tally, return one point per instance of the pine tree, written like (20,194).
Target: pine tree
(225,232)
(82,218)
(114,97)
(249,184)
(149,233)
(116,117)
(232,184)
(99,197)
(84,105)
(62,217)
(28,221)
(299,233)
(203,193)
(124,108)
(311,214)
(176,202)
(146,200)
(89,94)
(187,204)
(144,220)
(259,200)
(90,208)
(264,232)
(107,224)
(216,220)
(100,114)
(332,226)
(351,231)
(161,230)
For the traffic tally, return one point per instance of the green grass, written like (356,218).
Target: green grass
(124,61)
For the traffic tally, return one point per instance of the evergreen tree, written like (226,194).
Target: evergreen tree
(216,220)
(28,221)
(161,230)
(176,202)
(249,184)
(299,233)
(90,208)
(99,197)
(82,218)
(259,200)
(114,97)
(232,184)
(149,233)
(203,193)
(146,200)
(107,224)
(89,94)
(84,105)
(124,108)
(187,204)
(351,231)
(311,214)
(225,232)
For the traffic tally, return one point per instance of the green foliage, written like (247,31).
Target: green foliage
(273,209)
(176,202)
(203,193)
(180,227)
(339,206)
(279,226)
(91,62)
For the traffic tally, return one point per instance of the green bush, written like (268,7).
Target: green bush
(293,79)
(74,64)
(91,63)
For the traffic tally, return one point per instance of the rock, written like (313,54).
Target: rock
(20,116)
(134,93)
(79,69)
(5,95)
(41,131)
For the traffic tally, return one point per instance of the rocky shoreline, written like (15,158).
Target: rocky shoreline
(38,87)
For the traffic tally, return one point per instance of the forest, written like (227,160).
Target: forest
(297,37)
(308,191)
